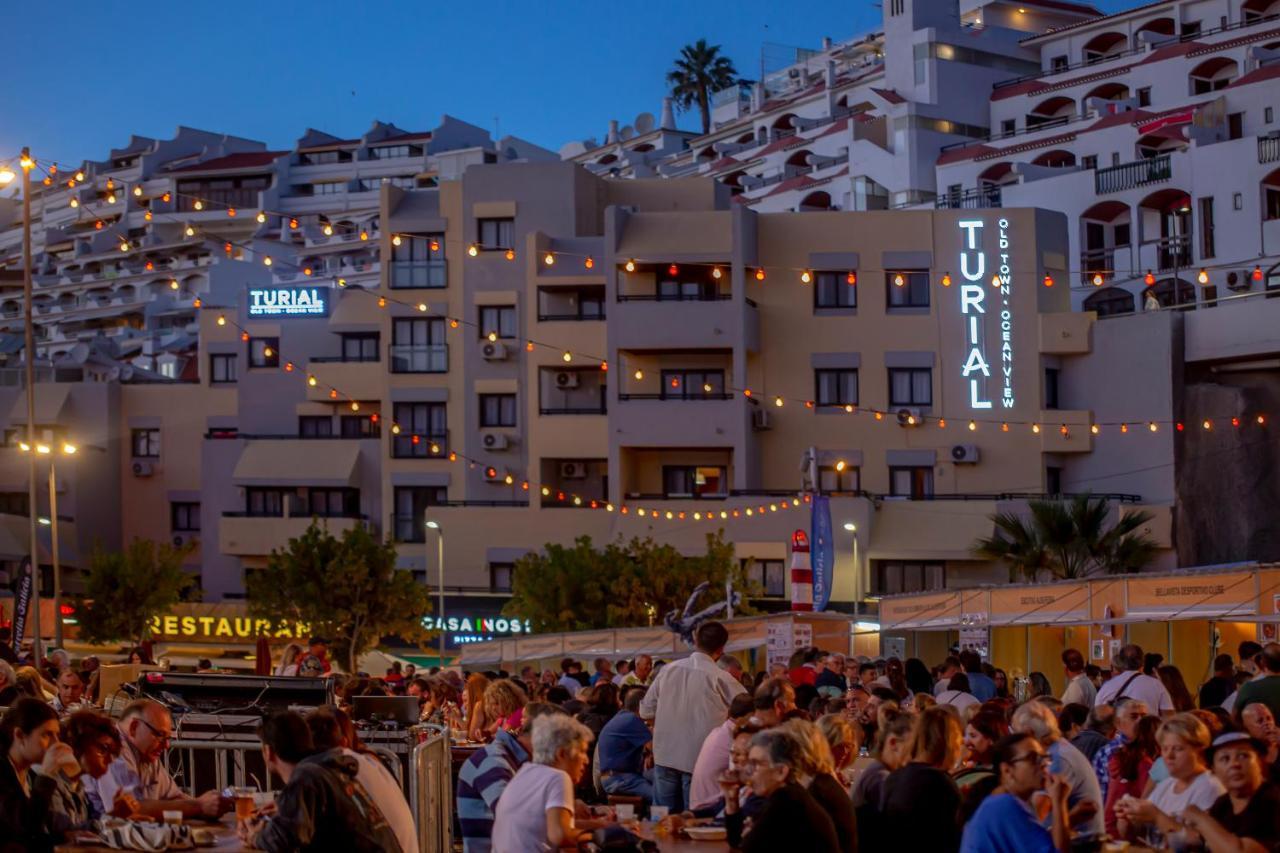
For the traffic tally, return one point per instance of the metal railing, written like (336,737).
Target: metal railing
(696,395)
(1268,149)
(423,274)
(1126,176)
(598,409)
(974,197)
(431,792)
(674,297)
(413,358)
(1095,261)
(569,318)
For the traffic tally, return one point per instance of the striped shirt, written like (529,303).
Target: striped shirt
(481,781)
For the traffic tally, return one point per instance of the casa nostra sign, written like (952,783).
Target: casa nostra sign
(288,302)
(977,299)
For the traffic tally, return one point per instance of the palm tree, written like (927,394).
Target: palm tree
(1068,539)
(699,71)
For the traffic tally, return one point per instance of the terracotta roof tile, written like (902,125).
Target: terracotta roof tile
(889,95)
(241,160)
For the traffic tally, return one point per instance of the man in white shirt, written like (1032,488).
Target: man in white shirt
(1129,682)
(950,667)
(688,699)
(1080,689)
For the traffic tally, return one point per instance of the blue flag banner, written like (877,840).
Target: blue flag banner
(823,553)
(22,603)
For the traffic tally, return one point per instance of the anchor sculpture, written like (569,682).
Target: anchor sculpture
(686,622)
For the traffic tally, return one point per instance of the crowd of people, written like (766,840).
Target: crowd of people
(827,753)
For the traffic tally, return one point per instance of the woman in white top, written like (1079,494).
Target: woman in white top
(289,660)
(957,693)
(1183,739)
(535,811)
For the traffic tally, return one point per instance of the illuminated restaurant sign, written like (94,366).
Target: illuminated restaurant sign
(288,302)
(216,627)
(973,308)
(477,624)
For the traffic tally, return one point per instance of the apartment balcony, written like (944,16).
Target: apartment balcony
(1166,254)
(973,198)
(418,274)
(710,319)
(658,421)
(1126,176)
(413,358)
(1268,149)
(413,446)
(244,535)
(359,380)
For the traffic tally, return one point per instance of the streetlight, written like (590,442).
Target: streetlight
(857,568)
(66,448)
(435,525)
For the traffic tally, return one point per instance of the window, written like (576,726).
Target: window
(325,188)
(265,502)
(375,184)
(387,152)
(914,481)
(359,426)
(497,410)
(15,503)
(888,577)
(320,158)
(1268,115)
(315,426)
(1271,203)
(1089,161)
(910,386)
(419,262)
(1207,248)
(771,576)
(496,234)
(412,503)
(1009,126)
(1053,480)
(686,481)
(691,384)
(264,352)
(836,387)
(687,291)
(833,290)
(1059,63)
(498,318)
(424,421)
(500,576)
(223,192)
(907,288)
(146,444)
(222,368)
(360,347)
(832,481)
(1190,28)
(1144,96)
(418,345)
(184,517)
(1051,387)
(333,503)
(1235,125)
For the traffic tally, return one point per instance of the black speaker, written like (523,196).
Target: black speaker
(242,694)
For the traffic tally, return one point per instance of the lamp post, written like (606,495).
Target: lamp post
(857,568)
(435,525)
(65,449)
(6,176)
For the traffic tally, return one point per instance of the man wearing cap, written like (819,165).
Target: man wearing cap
(1247,817)
(316,661)
(1266,687)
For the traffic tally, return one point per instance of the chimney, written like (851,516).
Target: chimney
(826,42)
(613,132)
(668,121)
(757,96)
(831,73)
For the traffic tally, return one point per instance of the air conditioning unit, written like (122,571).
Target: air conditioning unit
(143,469)
(568,379)
(1239,279)
(495,441)
(494,351)
(908,416)
(965,454)
(181,539)
(760,420)
(573,470)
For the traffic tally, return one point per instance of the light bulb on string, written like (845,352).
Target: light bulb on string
(422,306)
(199,205)
(80,176)
(355,406)
(173,284)
(511,254)
(946,279)
(1149,279)
(1203,276)
(777,401)
(492,336)
(1098,279)
(244,336)
(75,203)
(805,277)
(327,230)
(995,281)
(760,274)
(1048,280)
(111,198)
(364,235)
(1152,426)
(146,216)
(1093,428)
(588,263)
(673,270)
(898,280)
(568,356)
(166,198)
(293,223)
(231,212)
(382,302)
(137,191)
(267,261)
(549,259)
(435,245)
(190,232)
(851,279)
(395,241)
(973,426)
(630,266)
(1257,273)
(222,321)
(715,273)
(1004,427)
(639,374)
(261,217)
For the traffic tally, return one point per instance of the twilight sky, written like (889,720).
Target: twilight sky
(550,72)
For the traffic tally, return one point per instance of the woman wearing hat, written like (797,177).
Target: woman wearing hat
(1247,817)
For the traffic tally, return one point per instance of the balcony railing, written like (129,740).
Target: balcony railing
(675,297)
(280,514)
(412,358)
(405,446)
(598,409)
(692,396)
(1093,261)
(1268,149)
(570,318)
(421,274)
(1126,176)
(1173,252)
(975,197)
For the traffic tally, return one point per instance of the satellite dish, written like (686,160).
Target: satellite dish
(644,123)
(79,353)
(571,149)
(627,132)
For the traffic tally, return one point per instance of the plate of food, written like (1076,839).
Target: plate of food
(706,833)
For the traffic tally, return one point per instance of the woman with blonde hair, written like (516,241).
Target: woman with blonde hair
(1183,739)
(845,739)
(815,771)
(289,660)
(504,702)
(477,719)
(921,804)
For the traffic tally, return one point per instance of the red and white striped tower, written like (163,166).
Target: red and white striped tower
(801,573)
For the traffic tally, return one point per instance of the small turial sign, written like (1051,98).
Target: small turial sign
(288,302)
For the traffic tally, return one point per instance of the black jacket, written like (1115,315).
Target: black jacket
(790,820)
(324,808)
(27,822)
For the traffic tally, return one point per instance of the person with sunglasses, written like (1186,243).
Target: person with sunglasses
(145,732)
(1007,822)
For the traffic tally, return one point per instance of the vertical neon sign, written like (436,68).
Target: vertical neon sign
(973,308)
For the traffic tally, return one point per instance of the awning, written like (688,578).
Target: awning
(355,312)
(895,531)
(301,462)
(50,402)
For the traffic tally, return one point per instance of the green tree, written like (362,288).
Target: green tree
(700,70)
(346,589)
(125,590)
(579,587)
(1069,539)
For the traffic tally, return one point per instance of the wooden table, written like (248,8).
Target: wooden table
(224,837)
(679,843)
